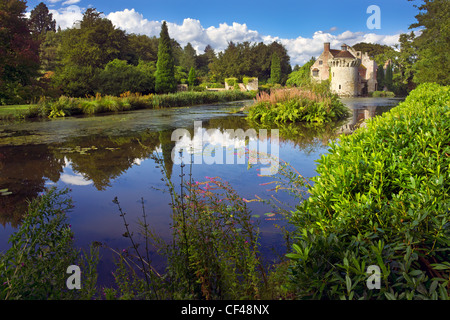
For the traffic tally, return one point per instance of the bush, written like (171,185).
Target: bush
(41,251)
(381,198)
(377,94)
(231,81)
(296,105)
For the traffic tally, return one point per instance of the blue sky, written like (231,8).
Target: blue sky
(302,26)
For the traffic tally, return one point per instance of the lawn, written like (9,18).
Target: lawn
(13,110)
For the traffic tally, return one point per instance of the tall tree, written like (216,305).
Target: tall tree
(19,53)
(165,68)
(388,77)
(86,50)
(188,59)
(143,47)
(192,77)
(380,77)
(41,20)
(275,69)
(433,43)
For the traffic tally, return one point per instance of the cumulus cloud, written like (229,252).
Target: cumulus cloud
(69,2)
(67,16)
(76,180)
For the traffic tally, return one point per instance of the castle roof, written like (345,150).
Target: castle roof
(344,54)
(334,52)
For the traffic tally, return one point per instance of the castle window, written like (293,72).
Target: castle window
(339,87)
(320,62)
(315,73)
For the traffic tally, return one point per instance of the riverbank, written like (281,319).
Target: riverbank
(66,106)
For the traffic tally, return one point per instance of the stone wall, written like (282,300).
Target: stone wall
(345,76)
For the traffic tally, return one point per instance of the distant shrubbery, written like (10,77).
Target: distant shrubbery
(381,197)
(377,94)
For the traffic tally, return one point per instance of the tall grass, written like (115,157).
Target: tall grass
(67,106)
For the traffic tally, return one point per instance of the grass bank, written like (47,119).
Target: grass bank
(66,106)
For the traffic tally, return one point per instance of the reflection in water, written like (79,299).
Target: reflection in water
(98,159)
(107,156)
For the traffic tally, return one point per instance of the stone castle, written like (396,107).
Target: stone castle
(352,73)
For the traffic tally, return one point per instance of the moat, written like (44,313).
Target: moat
(103,157)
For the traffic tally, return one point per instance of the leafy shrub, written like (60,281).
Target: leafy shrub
(246,80)
(377,94)
(296,105)
(41,251)
(231,81)
(381,197)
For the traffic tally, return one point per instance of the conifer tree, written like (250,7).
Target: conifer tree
(191,77)
(165,68)
(275,69)
(380,77)
(388,77)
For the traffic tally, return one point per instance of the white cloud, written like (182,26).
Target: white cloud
(66,17)
(69,2)
(76,180)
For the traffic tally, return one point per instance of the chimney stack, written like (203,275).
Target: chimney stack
(326,47)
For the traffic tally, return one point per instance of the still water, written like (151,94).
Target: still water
(103,157)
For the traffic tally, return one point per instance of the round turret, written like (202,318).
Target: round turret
(344,73)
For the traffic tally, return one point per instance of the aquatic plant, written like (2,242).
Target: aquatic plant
(289,105)
(213,252)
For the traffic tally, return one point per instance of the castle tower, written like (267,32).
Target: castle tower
(344,73)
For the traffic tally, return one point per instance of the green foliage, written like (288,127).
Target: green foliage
(19,52)
(192,78)
(388,77)
(275,69)
(213,253)
(66,106)
(372,49)
(380,198)
(380,77)
(378,94)
(119,77)
(253,60)
(165,67)
(432,45)
(41,251)
(302,76)
(296,105)
(246,80)
(41,20)
(231,82)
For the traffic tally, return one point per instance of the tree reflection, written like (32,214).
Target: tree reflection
(24,172)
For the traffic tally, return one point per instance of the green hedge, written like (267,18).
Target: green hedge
(381,197)
(231,81)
